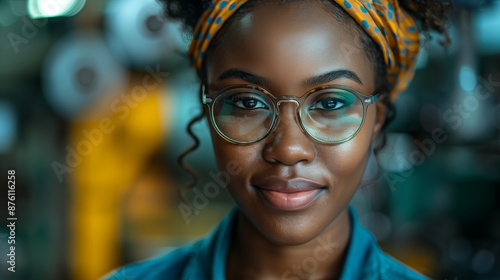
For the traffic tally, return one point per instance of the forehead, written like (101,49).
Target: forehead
(288,43)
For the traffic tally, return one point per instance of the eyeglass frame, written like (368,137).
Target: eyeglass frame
(208,99)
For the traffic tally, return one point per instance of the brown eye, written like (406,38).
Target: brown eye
(249,102)
(329,103)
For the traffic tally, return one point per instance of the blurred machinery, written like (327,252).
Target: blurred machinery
(79,72)
(117,119)
(443,154)
(111,153)
(139,34)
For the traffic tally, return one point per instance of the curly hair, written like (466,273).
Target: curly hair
(430,14)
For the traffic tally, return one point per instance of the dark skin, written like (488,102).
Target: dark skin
(282,47)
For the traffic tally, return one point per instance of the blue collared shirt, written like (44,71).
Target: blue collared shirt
(206,259)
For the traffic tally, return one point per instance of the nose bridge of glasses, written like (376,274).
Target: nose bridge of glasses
(287,99)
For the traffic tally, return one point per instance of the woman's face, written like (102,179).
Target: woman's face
(280,47)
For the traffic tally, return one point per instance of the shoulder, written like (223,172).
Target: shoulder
(200,260)
(392,269)
(170,265)
(366,260)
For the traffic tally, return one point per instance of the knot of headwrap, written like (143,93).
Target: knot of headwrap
(392,29)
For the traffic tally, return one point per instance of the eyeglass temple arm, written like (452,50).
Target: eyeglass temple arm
(373,98)
(204,99)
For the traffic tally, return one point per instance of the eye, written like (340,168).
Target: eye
(328,103)
(249,102)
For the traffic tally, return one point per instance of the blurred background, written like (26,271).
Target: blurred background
(95,97)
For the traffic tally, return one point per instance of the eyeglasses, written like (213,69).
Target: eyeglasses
(245,114)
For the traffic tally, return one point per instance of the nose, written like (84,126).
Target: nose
(288,144)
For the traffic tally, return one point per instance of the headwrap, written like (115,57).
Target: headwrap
(392,29)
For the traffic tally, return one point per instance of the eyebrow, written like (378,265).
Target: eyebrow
(243,75)
(331,76)
(310,82)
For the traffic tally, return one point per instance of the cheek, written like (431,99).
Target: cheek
(347,161)
(237,161)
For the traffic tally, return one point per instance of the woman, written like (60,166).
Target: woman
(296,93)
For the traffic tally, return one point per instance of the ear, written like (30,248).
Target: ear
(381,114)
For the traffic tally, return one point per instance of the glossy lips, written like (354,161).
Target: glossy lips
(289,195)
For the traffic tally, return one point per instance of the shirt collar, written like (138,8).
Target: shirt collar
(361,252)
(208,260)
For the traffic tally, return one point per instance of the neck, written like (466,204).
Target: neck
(252,255)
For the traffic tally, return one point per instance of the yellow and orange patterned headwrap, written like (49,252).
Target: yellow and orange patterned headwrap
(394,31)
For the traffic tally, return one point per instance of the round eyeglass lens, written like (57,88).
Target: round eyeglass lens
(332,115)
(243,114)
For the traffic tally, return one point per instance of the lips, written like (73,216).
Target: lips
(289,195)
